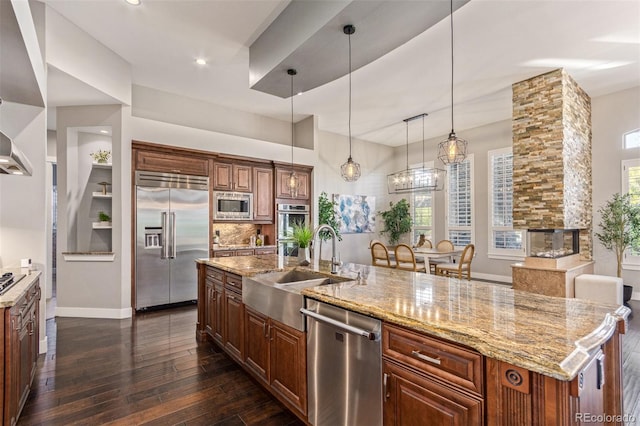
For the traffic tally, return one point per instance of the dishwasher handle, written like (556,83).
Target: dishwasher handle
(370,335)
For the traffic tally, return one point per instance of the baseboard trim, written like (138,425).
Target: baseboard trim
(491,277)
(93,313)
(43,345)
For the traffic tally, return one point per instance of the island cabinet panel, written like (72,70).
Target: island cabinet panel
(414,399)
(232,177)
(256,346)
(288,366)
(263,195)
(283,190)
(233,324)
(276,355)
(21,334)
(517,397)
(171,163)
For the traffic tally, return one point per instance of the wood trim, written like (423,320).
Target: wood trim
(613,398)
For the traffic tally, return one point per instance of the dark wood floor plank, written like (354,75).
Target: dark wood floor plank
(148,369)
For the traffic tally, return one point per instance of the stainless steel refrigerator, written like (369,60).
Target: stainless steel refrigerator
(172,230)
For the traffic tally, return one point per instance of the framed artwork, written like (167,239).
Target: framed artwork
(355,213)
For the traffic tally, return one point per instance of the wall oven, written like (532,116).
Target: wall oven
(288,215)
(232,206)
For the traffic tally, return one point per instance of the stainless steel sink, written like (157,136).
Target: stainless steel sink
(277,294)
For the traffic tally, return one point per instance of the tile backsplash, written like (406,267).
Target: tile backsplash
(235,233)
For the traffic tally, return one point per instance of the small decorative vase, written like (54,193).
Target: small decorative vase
(303,256)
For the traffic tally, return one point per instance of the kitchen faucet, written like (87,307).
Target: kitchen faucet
(334,261)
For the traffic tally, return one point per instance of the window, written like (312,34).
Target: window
(460,202)
(632,139)
(631,185)
(504,241)
(422,211)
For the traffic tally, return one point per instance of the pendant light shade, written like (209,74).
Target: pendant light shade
(453,149)
(416,179)
(293,181)
(350,170)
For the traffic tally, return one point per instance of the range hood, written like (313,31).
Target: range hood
(12,160)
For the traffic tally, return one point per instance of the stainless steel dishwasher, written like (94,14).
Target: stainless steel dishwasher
(344,366)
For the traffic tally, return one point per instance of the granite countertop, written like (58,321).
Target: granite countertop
(548,335)
(10,298)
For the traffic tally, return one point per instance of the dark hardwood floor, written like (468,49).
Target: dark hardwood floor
(151,370)
(147,370)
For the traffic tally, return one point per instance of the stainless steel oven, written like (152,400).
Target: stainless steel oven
(288,215)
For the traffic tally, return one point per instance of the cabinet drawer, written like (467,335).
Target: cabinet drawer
(244,252)
(215,275)
(224,253)
(448,361)
(234,282)
(271,250)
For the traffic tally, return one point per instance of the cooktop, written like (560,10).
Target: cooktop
(7,280)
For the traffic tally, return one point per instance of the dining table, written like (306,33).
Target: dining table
(423,254)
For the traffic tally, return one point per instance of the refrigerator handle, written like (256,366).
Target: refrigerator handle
(164,253)
(173,235)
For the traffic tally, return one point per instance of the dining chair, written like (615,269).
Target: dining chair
(380,255)
(423,242)
(443,245)
(460,269)
(406,259)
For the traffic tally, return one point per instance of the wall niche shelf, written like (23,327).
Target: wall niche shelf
(89,256)
(101,195)
(101,225)
(101,165)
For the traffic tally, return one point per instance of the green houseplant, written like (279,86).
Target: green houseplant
(619,226)
(327,216)
(397,220)
(104,217)
(302,235)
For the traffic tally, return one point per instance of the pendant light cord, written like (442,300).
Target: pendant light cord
(292,125)
(452,67)
(349,95)
(422,141)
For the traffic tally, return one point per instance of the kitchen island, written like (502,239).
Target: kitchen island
(518,357)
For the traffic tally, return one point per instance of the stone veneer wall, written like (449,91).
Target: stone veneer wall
(552,156)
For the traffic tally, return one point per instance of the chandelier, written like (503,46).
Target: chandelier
(415,179)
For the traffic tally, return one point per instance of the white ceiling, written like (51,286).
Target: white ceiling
(497,43)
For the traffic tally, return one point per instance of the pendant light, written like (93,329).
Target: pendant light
(453,149)
(416,179)
(350,170)
(293,181)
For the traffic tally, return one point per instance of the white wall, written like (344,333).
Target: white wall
(612,116)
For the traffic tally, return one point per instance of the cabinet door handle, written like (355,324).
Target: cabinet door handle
(424,357)
(385,390)
(231,297)
(600,371)
(264,330)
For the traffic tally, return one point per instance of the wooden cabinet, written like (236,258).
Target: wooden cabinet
(266,250)
(171,163)
(263,209)
(276,355)
(213,308)
(283,191)
(232,177)
(244,251)
(288,365)
(21,334)
(427,378)
(411,398)
(233,337)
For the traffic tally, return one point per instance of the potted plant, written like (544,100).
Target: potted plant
(101,157)
(327,216)
(302,235)
(105,219)
(620,226)
(397,220)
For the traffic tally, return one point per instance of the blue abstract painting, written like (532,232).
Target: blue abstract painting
(356,213)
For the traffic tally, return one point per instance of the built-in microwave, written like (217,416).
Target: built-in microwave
(232,206)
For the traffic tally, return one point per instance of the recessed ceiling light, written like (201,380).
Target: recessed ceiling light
(17,172)
(3,160)
(104,131)
(299,93)
(201,61)
(133,2)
